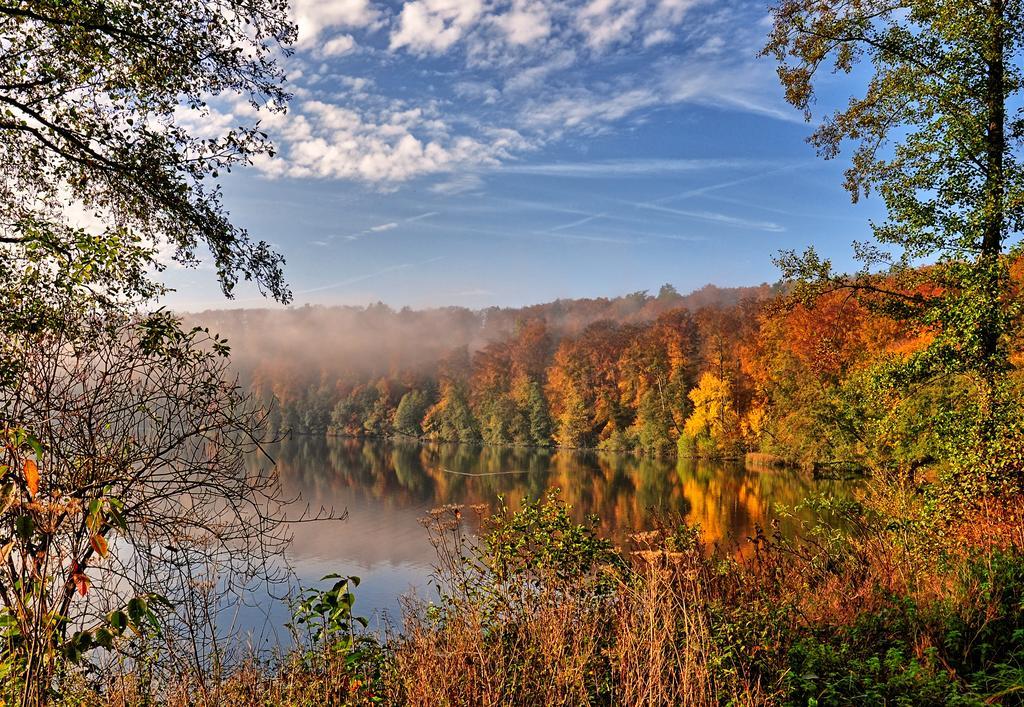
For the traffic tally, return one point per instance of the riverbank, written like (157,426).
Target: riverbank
(828,468)
(544,611)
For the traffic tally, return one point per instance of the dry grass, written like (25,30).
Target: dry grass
(673,624)
(662,635)
(647,642)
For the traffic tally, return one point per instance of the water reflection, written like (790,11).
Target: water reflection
(386,487)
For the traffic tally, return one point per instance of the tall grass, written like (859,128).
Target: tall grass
(535,609)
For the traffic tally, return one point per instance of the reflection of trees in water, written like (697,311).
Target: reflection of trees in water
(626,493)
(729,500)
(408,464)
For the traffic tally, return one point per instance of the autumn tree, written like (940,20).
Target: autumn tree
(656,371)
(451,418)
(506,376)
(583,388)
(124,485)
(808,364)
(937,132)
(713,428)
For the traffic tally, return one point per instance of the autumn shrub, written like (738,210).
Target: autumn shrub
(534,608)
(547,614)
(522,615)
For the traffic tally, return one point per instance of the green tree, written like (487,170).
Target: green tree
(412,408)
(96,106)
(350,414)
(501,422)
(934,134)
(451,419)
(539,418)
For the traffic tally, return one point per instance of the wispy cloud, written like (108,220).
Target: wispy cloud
(478,84)
(579,222)
(379,228)
(420,217)
(714,217)
(369,276)
(458,184)
(625,168)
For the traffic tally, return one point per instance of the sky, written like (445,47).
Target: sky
(509,152)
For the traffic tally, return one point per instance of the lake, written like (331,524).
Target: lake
(386,487)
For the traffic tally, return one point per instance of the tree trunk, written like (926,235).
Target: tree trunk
(995,184)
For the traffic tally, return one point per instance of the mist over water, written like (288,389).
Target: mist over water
(346,342)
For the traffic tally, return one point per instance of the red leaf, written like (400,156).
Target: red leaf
(81,583)
(99,544)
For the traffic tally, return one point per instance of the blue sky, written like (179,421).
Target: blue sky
(507,152)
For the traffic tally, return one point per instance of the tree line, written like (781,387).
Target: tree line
(763,372)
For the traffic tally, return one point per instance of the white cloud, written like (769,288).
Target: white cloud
(324,140)
(526,21)
(315,16)
(357,84)
(658,36)
(381,228)
(725,84)
(339,46)
(528,78)
(516,75)
(673,11)
(420,217)
(585,109)
(432,26)
(477,91)
(716,218)
(458,184)
(604,23)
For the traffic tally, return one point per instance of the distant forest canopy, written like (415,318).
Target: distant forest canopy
(717,372)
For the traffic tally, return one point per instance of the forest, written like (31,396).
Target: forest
(716,373)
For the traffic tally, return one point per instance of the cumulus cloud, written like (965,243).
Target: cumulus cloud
(477,91)
(339,46)
(525,22)
(468,85)
(432,26)
(313,17)
(324,140)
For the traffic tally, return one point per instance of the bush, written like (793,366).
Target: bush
(536,608)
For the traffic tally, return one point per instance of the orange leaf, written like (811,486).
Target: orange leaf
(99,544)
(81,583)
(32,477)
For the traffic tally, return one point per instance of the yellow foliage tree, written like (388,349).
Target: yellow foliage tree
(714,423)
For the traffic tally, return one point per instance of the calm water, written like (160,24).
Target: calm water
(387,487)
